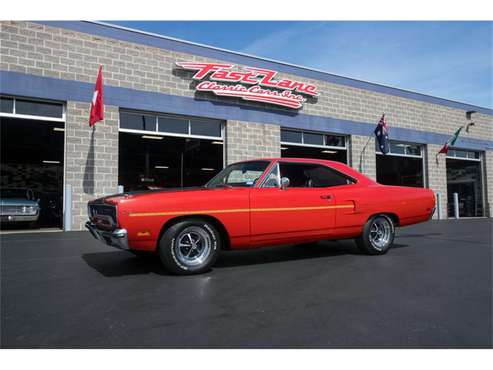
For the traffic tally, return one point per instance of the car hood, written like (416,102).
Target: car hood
(17,202)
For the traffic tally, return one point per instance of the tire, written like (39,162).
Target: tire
(189,247)
(378,235)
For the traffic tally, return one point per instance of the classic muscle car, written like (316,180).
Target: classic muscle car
(258,203)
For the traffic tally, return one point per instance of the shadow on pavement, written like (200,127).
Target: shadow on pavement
(120,263)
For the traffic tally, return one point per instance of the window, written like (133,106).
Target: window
(173,125)
(162,124)
(137,121)
(306,175)
(401,149)
(205,128)
(289,136)
(463,154)
(312,138)
(6,105)
(37,108)
(243,174)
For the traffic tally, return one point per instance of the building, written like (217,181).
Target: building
(176,112)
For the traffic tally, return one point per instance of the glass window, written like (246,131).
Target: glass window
(413,149)
(6,105)
(290,136)
(36,108)
(397,148)
(333,140)
(398,170)
(173,125)
(137,121)
(205,128)
(313,139)
(243,174)
(307,175)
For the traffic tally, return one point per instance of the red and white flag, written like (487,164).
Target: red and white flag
(97,104)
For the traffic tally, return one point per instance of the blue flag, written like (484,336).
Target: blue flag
(382,134)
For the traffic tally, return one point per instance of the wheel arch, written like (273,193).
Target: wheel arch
(393,216)
(225,239)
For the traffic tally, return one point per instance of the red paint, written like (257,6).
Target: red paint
(237,209)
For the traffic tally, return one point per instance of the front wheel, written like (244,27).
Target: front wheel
(189,247)
(378,235)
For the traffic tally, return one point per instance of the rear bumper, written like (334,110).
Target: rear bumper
(117,238)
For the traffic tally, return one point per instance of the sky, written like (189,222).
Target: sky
(451,60)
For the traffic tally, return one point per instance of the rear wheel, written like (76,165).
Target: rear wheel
(189,247)
(378,235)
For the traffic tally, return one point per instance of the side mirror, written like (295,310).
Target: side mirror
(284,183)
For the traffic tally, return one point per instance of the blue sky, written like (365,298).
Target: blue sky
(452,60)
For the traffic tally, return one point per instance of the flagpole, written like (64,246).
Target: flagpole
(360,168)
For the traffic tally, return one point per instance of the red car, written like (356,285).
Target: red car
(258,203)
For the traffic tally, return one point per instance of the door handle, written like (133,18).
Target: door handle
(326,196)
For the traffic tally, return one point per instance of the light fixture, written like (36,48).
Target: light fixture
(162,167)
(217,142)
(58,129)
(152,137)
(55,162)
(329,151)
(207,169)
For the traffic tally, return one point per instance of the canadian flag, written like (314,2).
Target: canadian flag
(97,105)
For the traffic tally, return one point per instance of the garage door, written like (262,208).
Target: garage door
(31,173)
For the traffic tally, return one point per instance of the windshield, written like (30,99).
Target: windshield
(245,174)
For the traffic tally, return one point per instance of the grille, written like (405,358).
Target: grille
(15,210)
(103,213)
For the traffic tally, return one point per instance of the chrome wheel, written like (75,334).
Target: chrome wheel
(380,233)
(192,246)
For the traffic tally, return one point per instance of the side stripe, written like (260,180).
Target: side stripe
(213,211)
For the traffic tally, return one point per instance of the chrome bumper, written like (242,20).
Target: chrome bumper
(116,238)
(19,218)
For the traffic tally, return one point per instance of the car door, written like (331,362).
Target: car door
(301,209)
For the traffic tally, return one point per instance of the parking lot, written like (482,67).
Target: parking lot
(433,290)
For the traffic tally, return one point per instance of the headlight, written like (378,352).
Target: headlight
(30,209)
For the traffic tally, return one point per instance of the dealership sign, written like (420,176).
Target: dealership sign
(254,84)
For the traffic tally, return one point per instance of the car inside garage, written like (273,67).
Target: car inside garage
(32,159)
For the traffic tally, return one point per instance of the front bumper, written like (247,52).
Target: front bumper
(19,218)
(117,238)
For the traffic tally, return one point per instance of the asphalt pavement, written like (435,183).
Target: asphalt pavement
(432,290)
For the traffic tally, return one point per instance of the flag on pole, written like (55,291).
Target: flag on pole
(450,142)
(382,134)
(97,104)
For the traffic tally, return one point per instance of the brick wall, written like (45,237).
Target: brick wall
(245,140)
(48,51)
(363,161)
(91,157)
(437,176)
